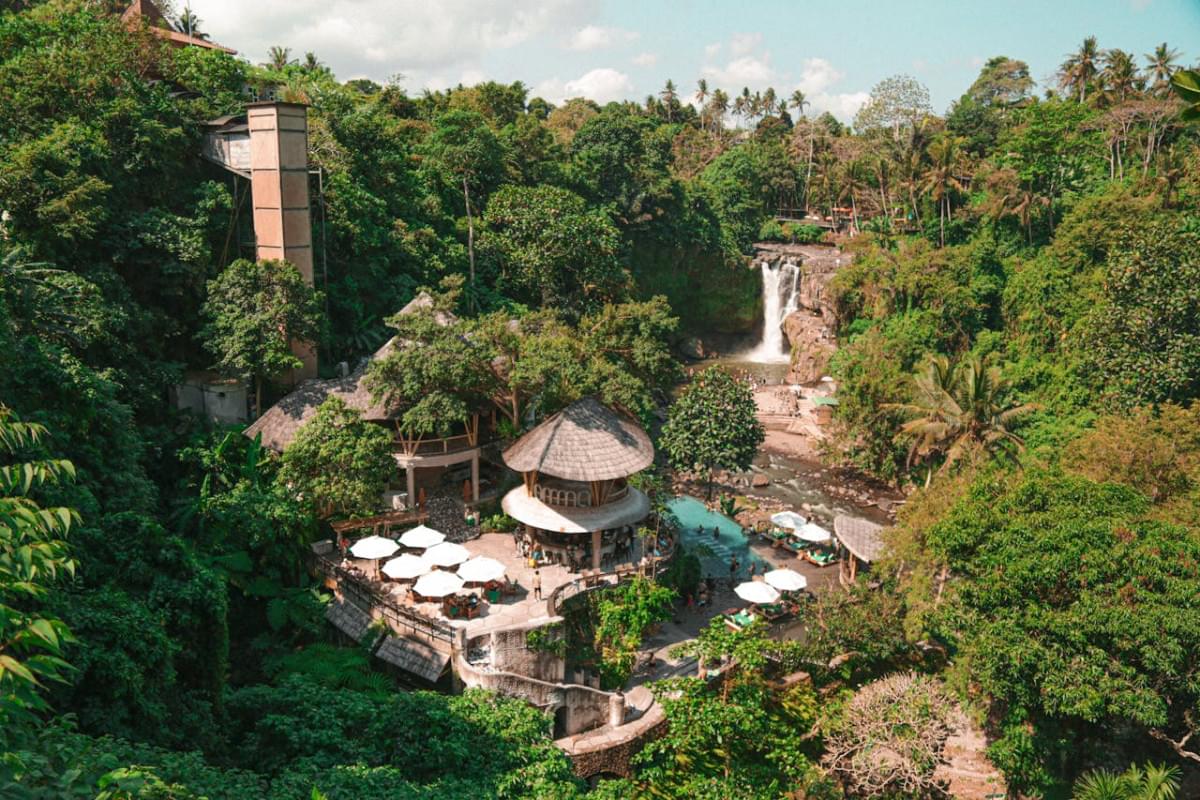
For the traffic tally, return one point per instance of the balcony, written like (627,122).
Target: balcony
(571,494)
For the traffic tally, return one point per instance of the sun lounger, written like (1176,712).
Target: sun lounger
(741,620)
(819,557)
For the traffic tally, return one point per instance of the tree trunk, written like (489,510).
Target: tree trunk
(470,244)
(257,396)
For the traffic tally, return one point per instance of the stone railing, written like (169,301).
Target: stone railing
(363,594)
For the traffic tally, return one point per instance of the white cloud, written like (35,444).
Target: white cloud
(603,84)
(817,75)
(843,106)
(645,59)
(379,38)
(594,37)
(743,43)
(711,50)
(749,71)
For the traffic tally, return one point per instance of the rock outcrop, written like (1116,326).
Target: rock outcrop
(810,327)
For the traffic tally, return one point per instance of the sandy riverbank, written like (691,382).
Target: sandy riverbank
(790,420)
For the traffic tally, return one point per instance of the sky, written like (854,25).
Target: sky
(834,51)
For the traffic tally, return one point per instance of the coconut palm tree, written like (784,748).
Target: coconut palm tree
(956,407)
(799,102)
(669,98)
(701,92)
(190,23)
(1120,76)
(941,181)
(1159,67)
(1080,68)
(720,107)
(279,58)
(1186,83)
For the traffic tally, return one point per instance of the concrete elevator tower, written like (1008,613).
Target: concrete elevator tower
(279,192)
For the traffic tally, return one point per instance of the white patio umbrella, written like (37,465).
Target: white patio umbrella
(406,567)
(373,547)
(811,532)
(786,580)
(756,592)
(788,519)
(446,554)
(438,584)
(421,537)
(481,569)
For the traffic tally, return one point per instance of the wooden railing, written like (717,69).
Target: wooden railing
(573,498)
(363,594)
(437,447)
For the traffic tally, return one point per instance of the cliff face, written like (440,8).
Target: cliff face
(809,328)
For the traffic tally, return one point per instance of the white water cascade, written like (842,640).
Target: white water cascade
(779,284)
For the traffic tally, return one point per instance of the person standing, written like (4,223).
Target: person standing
(537,584)
(733,570)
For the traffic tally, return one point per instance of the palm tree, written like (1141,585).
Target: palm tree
(1080,68)
(1159,66)
(958,406)
(1008,196)
(1120,75)
(701,91)
(853,180)
(941,181)
(311,62)
(768,101)
(669,97)
(1151,782)
(1186,83)
(799,102)
(279,58)
(190,23)
(720,107)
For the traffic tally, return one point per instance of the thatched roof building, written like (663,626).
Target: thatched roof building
(860,536)
(283,420)
(586,441)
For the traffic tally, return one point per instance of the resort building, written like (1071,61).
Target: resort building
(428,464)
(575,505)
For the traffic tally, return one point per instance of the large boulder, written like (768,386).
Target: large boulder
(812,343)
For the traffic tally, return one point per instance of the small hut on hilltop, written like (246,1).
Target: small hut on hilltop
(575,502)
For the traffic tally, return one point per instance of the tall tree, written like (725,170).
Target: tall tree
(799,102)
(1081,68)
(1160,66)
(254,313)
(279,58)
(467,150)
(670,99)
(956,406)
(713,425)
(942,179)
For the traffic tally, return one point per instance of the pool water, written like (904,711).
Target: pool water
(697,522)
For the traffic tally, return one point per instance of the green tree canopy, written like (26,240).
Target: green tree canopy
(338,464)
(256,312)
(713,425)
(552,250)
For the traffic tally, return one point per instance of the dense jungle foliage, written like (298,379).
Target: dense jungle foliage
(1018,338)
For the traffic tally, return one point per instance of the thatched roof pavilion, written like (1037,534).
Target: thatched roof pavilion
(575,466)
(586,441)
(862,540)
(283,420)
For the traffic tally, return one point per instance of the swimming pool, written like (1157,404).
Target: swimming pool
(697,523)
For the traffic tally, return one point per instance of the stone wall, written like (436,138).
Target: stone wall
(610,751)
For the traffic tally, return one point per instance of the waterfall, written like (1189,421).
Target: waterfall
(779,299)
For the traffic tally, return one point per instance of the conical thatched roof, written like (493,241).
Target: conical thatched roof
(586,441)
(860,536)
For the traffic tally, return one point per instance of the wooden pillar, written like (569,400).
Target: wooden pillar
(595,549)
(411,478)
(475,476)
